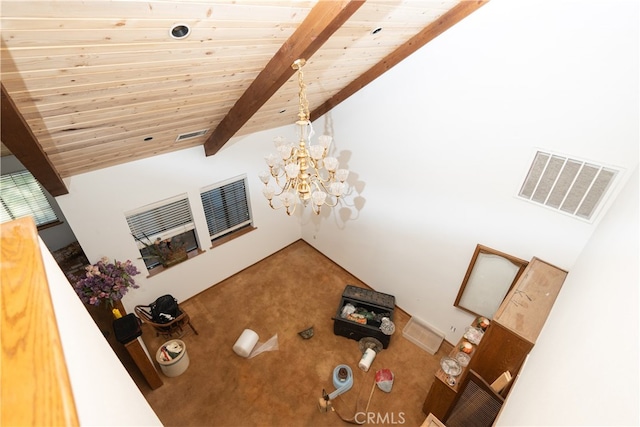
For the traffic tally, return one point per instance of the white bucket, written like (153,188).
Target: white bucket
(176,366)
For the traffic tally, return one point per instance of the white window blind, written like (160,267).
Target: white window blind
(226,207)
(21,195)
(163,221)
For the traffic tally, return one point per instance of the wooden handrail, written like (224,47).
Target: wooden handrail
(36,390)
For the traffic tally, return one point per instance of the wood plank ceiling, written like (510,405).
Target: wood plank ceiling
(92,84)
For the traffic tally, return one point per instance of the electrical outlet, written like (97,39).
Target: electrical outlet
(453,329)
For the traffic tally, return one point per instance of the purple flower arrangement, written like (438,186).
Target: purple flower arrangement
(106,282)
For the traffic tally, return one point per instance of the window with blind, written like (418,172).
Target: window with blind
(226,207)
(21,195)
(169,219)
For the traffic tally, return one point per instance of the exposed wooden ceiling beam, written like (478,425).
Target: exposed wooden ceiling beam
(17,136)
(323,20)
(446,21)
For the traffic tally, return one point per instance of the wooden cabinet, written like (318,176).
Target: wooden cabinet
(527,305)
(510,337)
(500,350)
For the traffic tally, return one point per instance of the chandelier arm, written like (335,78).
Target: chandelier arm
(282,207)
(318,177)
(280,185)
(291,184)
(334,204)
(313,163)
(319,185)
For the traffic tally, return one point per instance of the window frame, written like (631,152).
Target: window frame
(236,229)
(139,221)
(38,202)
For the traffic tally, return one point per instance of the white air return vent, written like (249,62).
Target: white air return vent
(571,186)
(190,135)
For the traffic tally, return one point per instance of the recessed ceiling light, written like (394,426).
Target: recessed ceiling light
(180,31)
(376,30)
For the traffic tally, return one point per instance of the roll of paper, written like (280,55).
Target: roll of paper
(245,343)
(367,359)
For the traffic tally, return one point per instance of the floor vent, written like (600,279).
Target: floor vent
(423,335)
(190,135)
(571,186)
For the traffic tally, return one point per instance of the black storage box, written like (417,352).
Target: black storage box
(127,328)
(382,305)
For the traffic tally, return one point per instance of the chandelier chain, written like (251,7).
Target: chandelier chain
(303,113)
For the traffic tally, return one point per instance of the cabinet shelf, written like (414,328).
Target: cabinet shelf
(442,376)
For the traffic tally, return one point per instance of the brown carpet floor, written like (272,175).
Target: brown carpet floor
(285,293)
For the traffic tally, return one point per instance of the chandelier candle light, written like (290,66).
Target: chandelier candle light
(304,172)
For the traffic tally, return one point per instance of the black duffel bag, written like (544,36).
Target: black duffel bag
(127,328)
(164,309)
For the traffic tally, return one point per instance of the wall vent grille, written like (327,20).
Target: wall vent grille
(190,135)
(572,186)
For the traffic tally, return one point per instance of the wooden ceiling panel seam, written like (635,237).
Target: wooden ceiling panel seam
(64,60)
(118,132)
(125,39)
(127,48)
(206,61)
(136,101)
(201,60)
(117,79)
(176,10)
(244,75)
(128,24)
(71,121)
(110,151)
(191,92)
(158,133)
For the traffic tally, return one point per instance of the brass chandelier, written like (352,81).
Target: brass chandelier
(303,172)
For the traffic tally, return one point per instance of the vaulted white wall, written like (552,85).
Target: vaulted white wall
(438,148)
(584,368)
